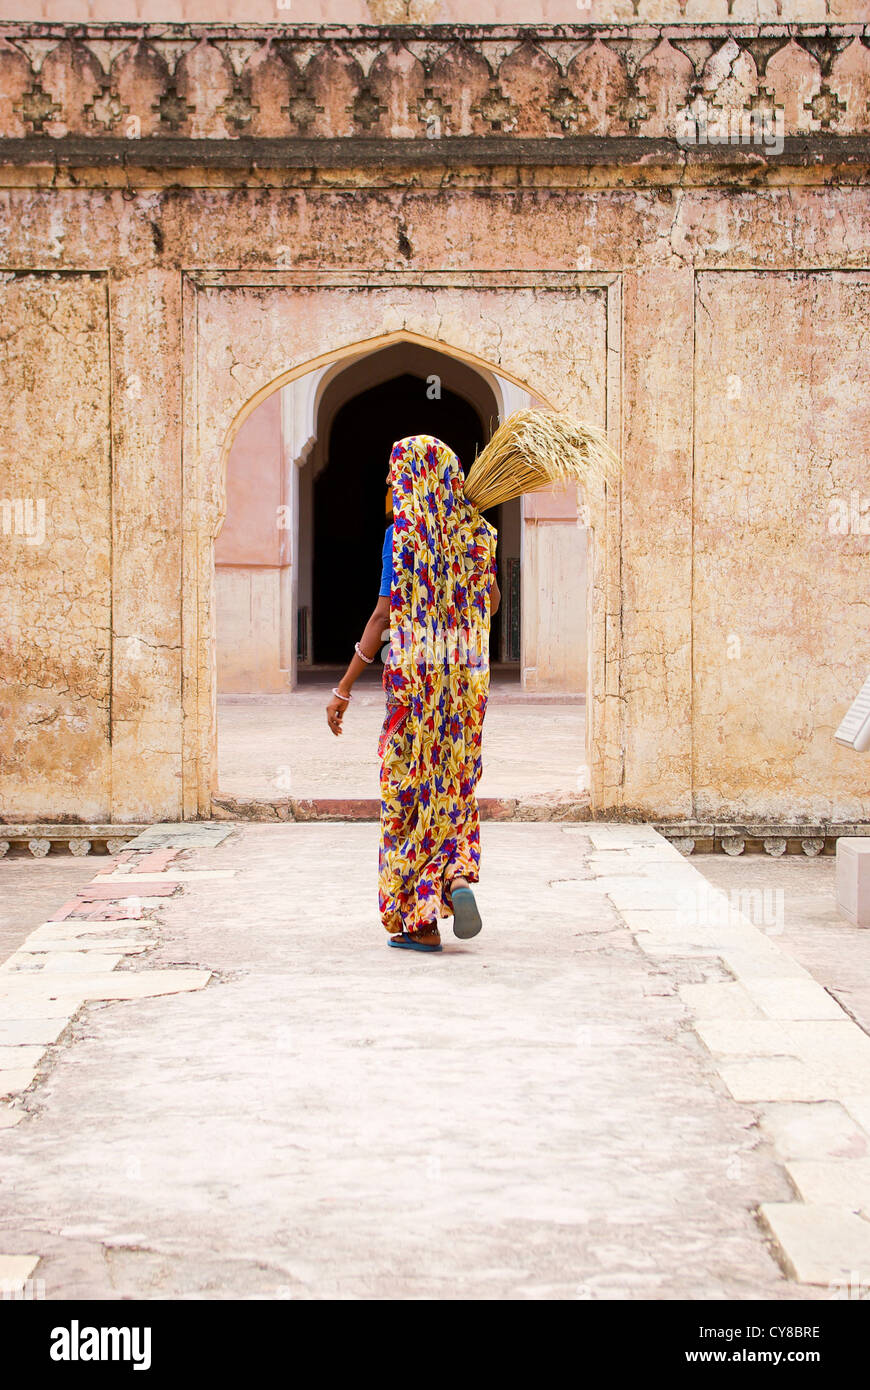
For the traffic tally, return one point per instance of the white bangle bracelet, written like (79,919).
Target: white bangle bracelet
(361,654)
(337,692)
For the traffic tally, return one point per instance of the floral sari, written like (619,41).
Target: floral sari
(436,679)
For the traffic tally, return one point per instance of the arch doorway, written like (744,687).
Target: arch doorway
(298,558)
(297,569)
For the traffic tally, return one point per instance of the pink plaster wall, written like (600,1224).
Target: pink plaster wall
(250,534)
(551,504)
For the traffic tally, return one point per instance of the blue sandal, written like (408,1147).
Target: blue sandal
(466,915)
(407,943)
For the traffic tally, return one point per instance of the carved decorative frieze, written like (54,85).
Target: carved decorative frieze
(79,840)
(441,83)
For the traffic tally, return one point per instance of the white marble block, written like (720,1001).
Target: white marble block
(853,879)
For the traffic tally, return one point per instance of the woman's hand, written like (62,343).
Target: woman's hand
(370,641)
(334,711)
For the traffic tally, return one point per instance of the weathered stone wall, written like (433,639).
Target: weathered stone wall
(781,602)
(283,202)
(56,577)
(434,11)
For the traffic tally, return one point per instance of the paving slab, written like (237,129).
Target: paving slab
(720,999)
(622,836)
(671,949)
(14,1057)
(25,1005)
(792,998)
(181,835)
(813,1131)
(774,1078)
(746,1037)
(646,857)
(822,1245)
(26,964)
(74,927)
(16,1079)
(37,946)
(70,985)
(714,940)
(679,918)
(123,909)
(152,860)
(15,1270)
(165,876)
(159,885)
(628,893)
(29,1032)
(841,1182)
(762,961)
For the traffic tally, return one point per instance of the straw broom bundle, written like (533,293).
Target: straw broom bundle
(533,449)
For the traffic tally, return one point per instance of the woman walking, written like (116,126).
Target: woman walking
(439,574)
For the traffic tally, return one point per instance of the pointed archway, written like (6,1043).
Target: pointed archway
(239,333)
(304,507)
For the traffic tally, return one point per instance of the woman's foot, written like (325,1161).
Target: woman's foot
(466,916)
(427,939)
(427,935)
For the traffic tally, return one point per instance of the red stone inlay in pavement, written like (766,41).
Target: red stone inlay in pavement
(152,862)
(95,911)
(156,861)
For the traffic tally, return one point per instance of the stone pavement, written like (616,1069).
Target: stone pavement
(221,1082)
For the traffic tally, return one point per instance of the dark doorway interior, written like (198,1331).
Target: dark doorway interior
(349,495)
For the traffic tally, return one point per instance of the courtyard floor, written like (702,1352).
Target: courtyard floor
(279,745)
(640,1080)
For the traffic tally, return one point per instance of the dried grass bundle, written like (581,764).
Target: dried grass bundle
(534,449)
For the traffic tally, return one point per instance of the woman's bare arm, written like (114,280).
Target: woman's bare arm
(370,643)
(494,596)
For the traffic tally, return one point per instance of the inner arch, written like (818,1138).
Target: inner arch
(349,488)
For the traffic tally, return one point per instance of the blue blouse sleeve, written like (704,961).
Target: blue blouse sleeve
(387,565)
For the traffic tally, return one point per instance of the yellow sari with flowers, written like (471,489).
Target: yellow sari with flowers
(436,679)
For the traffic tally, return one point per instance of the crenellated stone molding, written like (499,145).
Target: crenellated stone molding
(773,839)
(197,83)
